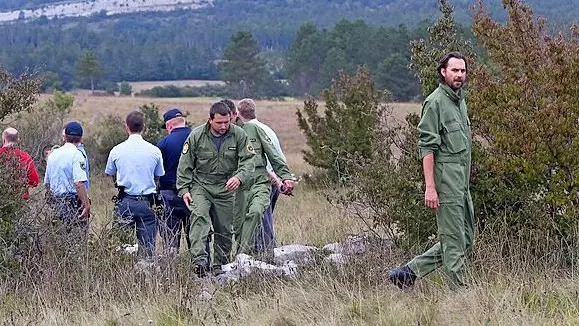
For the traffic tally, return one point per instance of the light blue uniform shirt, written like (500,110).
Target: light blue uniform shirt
(136,163)
(83,151)
(274,140)
(65,166)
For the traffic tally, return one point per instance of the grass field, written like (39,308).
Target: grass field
(101,288)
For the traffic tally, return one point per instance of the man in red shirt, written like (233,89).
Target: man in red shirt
(17,162)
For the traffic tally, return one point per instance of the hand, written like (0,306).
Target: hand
(187,199)
(232,184)
(289,186)
(275,181)
(431,198)
(85,213)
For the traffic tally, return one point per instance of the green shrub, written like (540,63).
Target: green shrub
(524,105)
(111,131)
(125,89)
(353,111)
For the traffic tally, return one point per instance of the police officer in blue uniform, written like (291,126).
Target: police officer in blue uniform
(65,180)
(176,214)
(135,166)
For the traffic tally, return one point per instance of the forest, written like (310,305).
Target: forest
(303,42)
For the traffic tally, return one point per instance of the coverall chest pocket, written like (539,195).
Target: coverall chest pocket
(455,140)
(204,158)
(230,158)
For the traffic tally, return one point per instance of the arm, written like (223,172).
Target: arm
(80,178)
(429,143)
(186,167)
(83,196)
(245,154)
(279,165)
(33,178)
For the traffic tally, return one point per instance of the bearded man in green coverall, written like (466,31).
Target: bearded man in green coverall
(445,148)
(216,160)
(258,197)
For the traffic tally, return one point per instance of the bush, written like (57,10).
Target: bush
(174,91)
(111,131)
(525,104)
(353,112)
(125,89)
(43,125)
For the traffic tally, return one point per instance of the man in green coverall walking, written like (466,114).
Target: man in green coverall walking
(216,160)
(445,148)
(258,197)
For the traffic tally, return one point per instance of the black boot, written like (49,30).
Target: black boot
(403,277)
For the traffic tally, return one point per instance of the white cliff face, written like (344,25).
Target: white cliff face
(90,7)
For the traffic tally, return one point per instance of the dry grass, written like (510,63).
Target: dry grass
(113,294)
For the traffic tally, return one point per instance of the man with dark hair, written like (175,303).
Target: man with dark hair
(445,147)
(176,213)
(258,194)
(216,159)
(18,163)
(65,180)
(135,166)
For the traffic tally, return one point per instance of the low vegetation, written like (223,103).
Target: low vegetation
(522,268)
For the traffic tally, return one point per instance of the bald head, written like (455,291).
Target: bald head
(9,136)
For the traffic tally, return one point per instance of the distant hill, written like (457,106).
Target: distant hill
(76,8)
(389,12)
(183,43)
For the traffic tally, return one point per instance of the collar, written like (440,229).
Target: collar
(207,130)
(9,145)
(253,121)
(455,96)
(180,129)
(238,121)
(135,137)
(69,145)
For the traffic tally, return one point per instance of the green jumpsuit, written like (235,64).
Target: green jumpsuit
(203,171)
(445,131)
(257,197)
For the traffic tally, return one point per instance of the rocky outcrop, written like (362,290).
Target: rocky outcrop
(109,7)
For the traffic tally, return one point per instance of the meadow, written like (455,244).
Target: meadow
(101,288)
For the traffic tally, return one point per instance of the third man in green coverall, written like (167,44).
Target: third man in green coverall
(258,196)
(216,160)
(445,148)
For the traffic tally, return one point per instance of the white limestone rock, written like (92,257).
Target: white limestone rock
(300,254)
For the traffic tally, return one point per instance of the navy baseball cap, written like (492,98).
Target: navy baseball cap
(73,128)
(171,114)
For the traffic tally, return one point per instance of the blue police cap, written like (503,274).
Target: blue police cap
(172,114)
(73,128)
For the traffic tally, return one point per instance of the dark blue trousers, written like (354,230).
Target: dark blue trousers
(137,214)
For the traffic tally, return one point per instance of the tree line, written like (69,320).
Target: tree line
(186,44)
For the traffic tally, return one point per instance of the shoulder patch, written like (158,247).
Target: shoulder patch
(186,148)
(83,165)
(250,149)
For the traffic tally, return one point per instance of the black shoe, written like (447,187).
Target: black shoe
(201,270)
(217,270)
(403,277)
